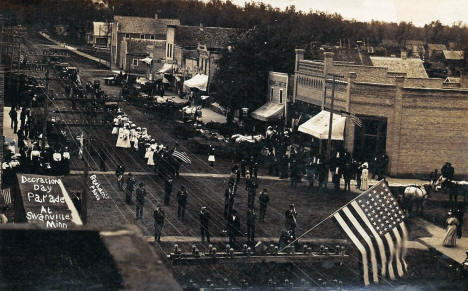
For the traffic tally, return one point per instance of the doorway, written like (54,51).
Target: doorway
(370,139)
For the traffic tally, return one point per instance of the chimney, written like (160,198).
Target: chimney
(156,16)
(201,26)
(299,57)
(404,55)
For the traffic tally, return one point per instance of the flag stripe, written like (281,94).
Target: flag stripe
(397,252)
(380,243)
(405,239)
(367,239)
(358,244)
(392,254)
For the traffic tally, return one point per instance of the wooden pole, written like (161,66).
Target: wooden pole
(46,111)
(84,197)
(330,124)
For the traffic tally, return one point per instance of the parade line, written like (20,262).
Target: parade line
(203,175)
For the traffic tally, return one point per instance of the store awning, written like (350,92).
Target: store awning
(318,126)
(269,111)
(166,68)
(147,60)
(198,81)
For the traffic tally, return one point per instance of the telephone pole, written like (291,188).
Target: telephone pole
(330,123)
(46,110)
(84,196)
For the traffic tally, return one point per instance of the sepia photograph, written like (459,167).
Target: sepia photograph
(234,145)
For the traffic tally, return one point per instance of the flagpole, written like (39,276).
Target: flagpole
(331,215)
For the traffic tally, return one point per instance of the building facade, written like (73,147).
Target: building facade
(420,122)
(126,29)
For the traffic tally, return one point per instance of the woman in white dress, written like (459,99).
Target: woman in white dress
(124,138)
(136,136)
(115,130)
(450,239)
(151,154)
(364,177)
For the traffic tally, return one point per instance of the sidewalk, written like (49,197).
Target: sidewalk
(457,253)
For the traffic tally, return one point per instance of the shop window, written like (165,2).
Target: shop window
(142,36)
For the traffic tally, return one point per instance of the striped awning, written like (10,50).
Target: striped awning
(269,111)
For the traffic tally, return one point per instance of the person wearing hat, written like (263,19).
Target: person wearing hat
(181,202)
(159,217)
(66,161)
(450,238)
(167,191)
(119,172)
(129,188)
(233,227)
(204,224)
(251,225)
(124,138)
(211,156)
(56,162)
(264,198)
(140,200)
(365,176)
(290,219)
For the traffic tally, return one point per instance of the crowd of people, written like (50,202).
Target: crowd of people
(29,154)
(155,154)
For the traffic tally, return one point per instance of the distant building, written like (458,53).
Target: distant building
(61,29)
(101,35)
(455,61)
(402,112)
(195,49)
(124,28)
(435,49)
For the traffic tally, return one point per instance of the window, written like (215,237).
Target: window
(151,36)
(142,36)
(271,93)
(135,62)
(281,96)
(127,35)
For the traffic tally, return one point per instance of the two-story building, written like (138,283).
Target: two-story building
(132,33)
(420,122)
(195,49)
(100,37)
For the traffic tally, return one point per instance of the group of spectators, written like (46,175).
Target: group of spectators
(28,155)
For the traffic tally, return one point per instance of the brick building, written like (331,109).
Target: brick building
(420,122)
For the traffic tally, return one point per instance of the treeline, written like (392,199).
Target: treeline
(314,26)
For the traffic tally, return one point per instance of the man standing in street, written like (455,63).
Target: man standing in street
(233,227)
(119,173)
(167,191)
(140,200)
(158,216)
(182,202)
(264,198)
(129,188)
(290,219)
(227,195)
(251,226)
(204,222)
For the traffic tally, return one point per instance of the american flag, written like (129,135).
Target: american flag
(181,156)
(374,223)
